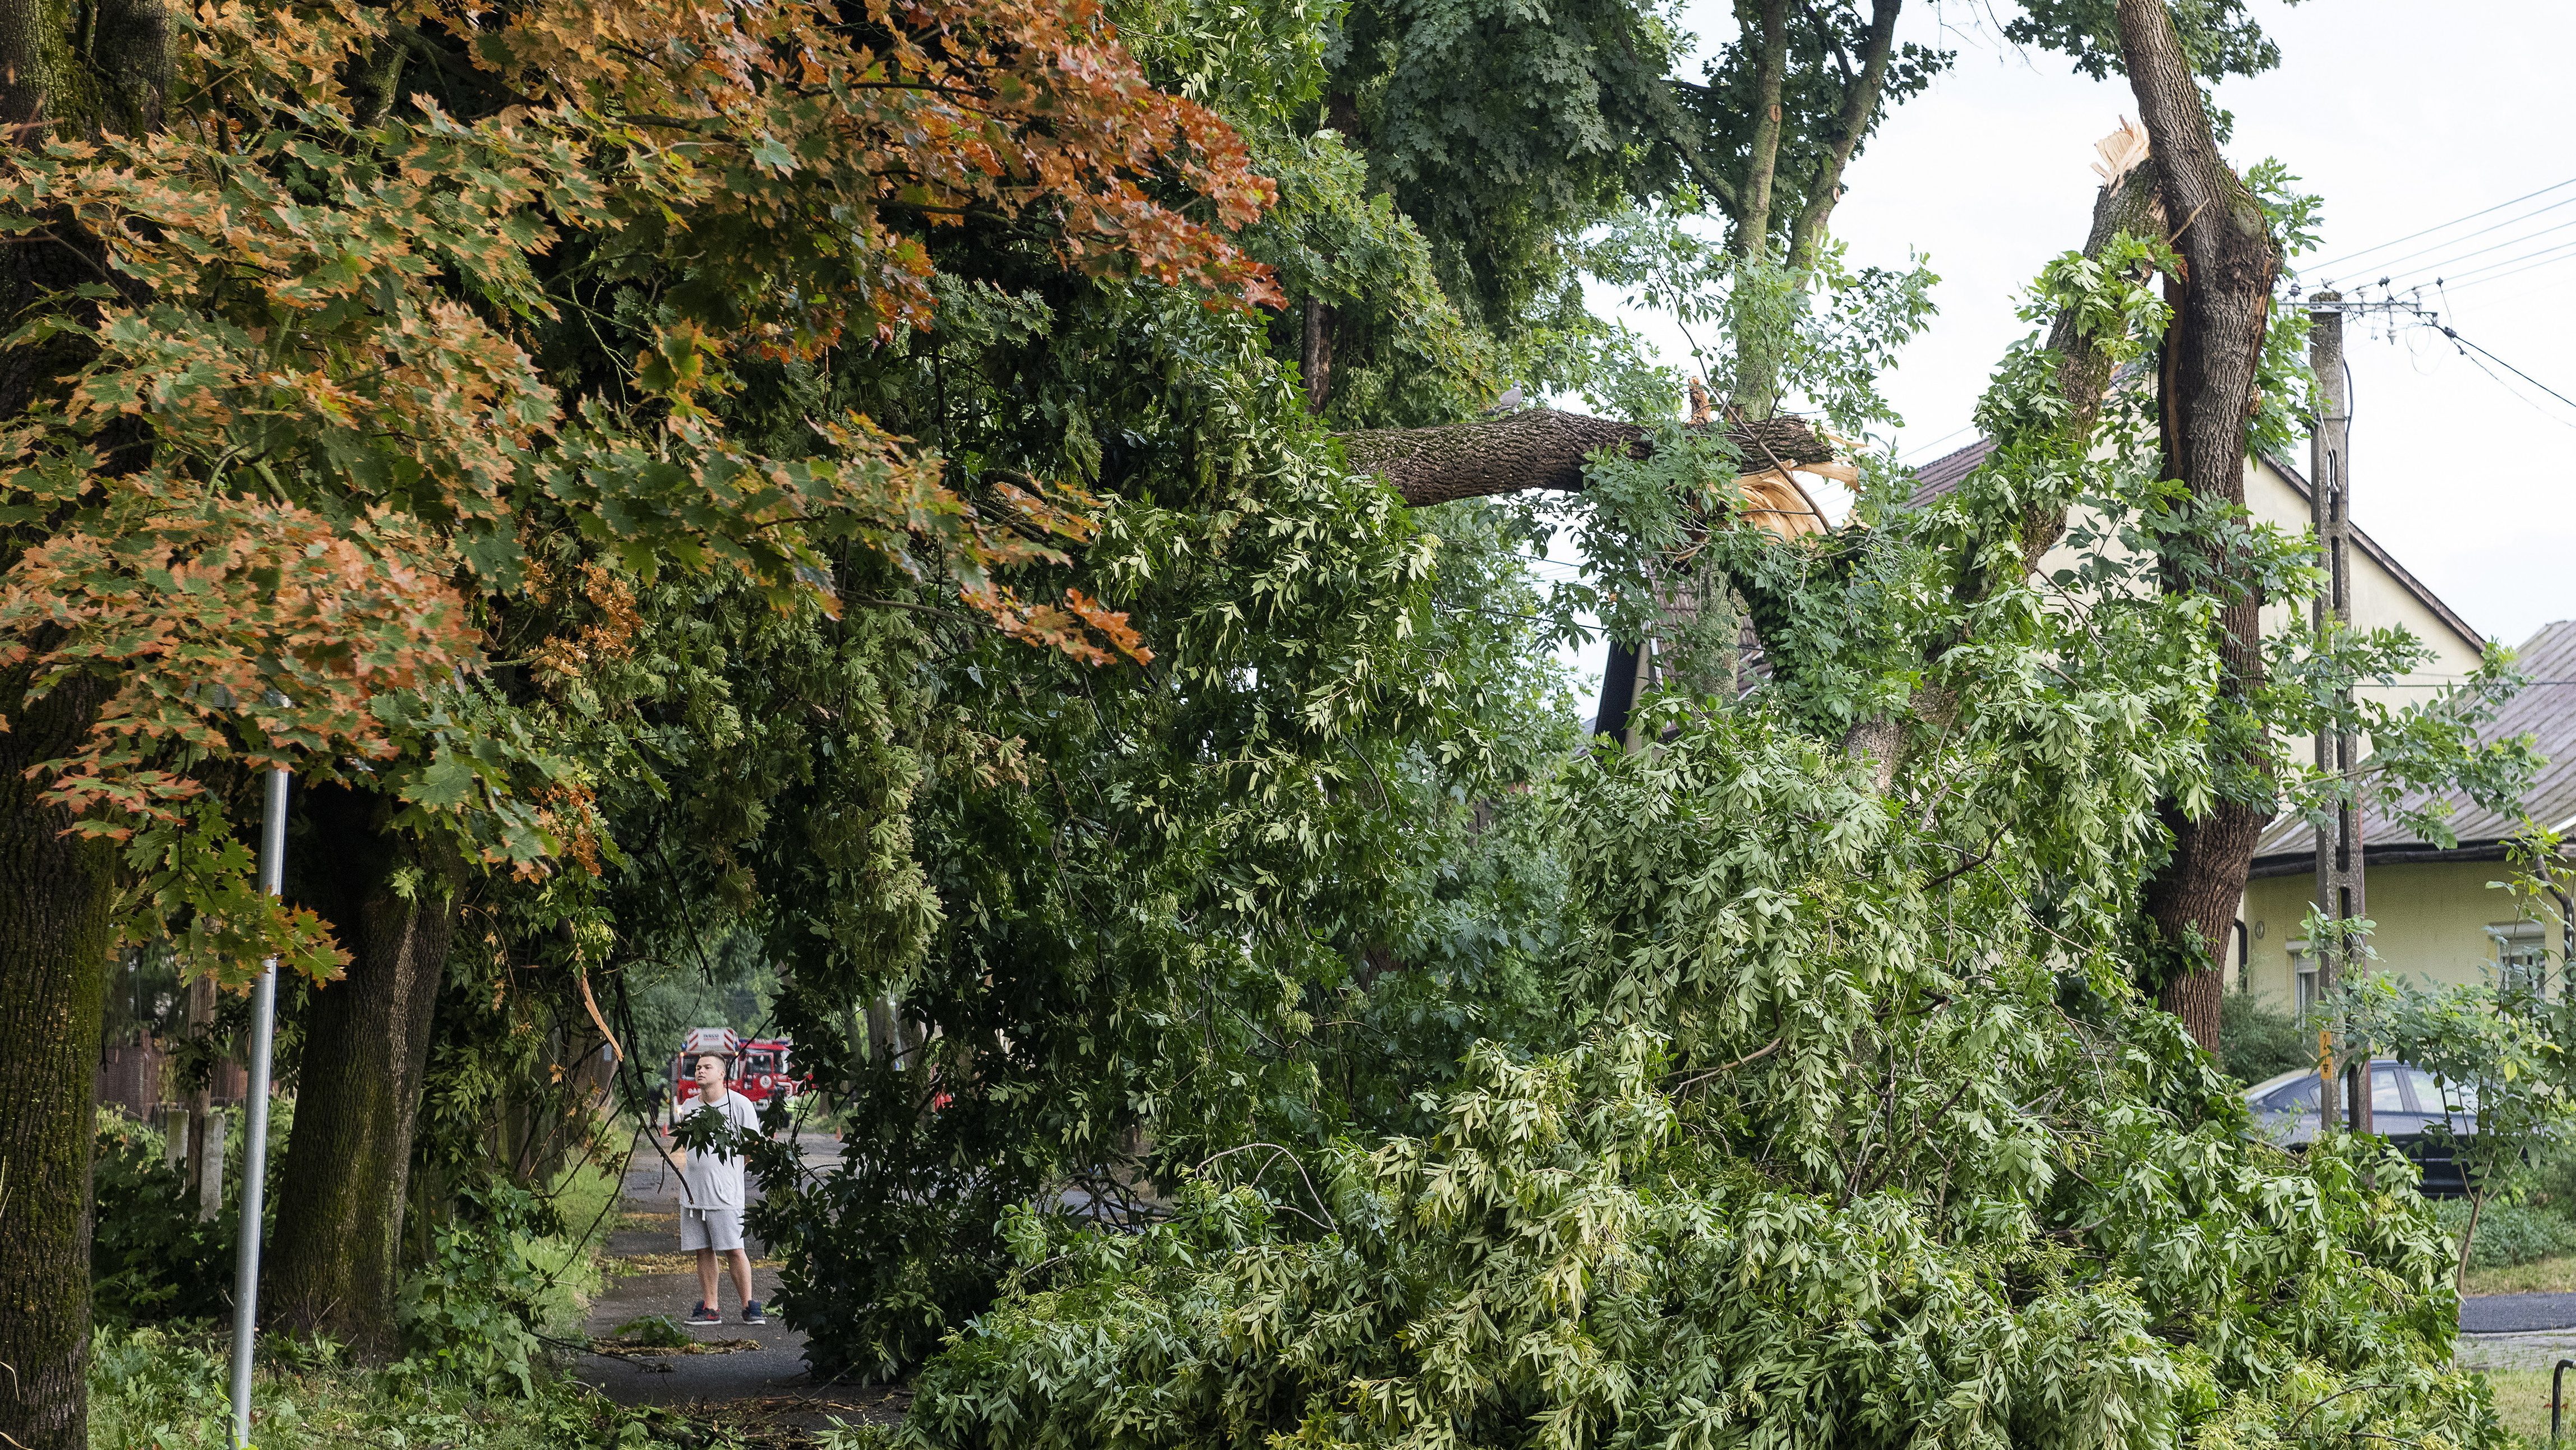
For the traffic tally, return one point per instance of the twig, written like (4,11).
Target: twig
(1265,1167)
(1964,867)
(2339,1394)
(1755,1055)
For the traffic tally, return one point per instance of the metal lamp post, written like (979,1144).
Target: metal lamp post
(263,1031)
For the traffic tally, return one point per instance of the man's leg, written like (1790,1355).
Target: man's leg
(707,1277)
(741,1275)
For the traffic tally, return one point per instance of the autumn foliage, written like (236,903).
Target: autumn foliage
(815,144)
(291,438)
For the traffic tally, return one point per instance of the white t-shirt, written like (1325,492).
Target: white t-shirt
(713,1179)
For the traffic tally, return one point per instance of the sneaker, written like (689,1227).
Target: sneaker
(704,1314)
(751,1313)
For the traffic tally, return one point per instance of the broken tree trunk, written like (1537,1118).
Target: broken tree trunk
(2213,348)
(1543,448)
(2126,204)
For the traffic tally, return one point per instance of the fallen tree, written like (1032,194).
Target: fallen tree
(1541,448)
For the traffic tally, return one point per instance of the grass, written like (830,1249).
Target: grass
(572,1264)
(2541,1276)
(2522,1402)
(584,1192)
(165,1389)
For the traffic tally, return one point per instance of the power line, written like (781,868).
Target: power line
(2428,317)
(2551,258)
(2347,257)
(2508,367)
(2391,263)
(2465,347)
(2446,264)
(2516,393)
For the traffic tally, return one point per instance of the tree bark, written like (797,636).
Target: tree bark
(1859,113)
(336,1256)
(57,931)
(1315,357)
(1770,71)
(2213,348)
(57,924)
(1540,448)
(1754,392)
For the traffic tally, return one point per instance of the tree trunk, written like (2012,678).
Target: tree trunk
(57,923)
(1761,167)
(1859,113)
(1755,298)
(1538,448)
(1315,356)
(57,932)
(2206,388)
(336,1256)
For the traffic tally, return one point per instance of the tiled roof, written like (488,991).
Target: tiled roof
(1942,474)
(2546,711)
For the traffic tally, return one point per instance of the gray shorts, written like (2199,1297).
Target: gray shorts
(719,1229)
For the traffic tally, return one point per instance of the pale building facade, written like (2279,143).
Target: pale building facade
(2437,917)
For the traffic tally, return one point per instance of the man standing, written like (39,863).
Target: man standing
(711,1194)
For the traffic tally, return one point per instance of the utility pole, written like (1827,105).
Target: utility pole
(2339,861)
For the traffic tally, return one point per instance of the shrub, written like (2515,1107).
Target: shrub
(2257,1040)
(2509,1233)
(150,1256)
(164,1388)
(500,1276)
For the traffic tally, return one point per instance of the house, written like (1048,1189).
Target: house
(2436,916)
(2384,594)
(2438,919)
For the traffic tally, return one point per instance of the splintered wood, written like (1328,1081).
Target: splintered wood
(2121,151)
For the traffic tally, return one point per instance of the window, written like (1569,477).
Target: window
(2387,1092)
(2303,963)
(2299,1096)
(2522,956)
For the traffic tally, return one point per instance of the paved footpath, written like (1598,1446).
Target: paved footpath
(758,1368)
(2517,1331)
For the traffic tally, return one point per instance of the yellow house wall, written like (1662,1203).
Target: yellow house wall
(2432,924)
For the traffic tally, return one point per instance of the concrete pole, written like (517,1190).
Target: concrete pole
(2339,860)
(208,1150)
(263,1032)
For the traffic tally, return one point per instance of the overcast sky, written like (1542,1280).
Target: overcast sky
(2400,116)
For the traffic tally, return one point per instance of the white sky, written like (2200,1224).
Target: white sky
(2400,115)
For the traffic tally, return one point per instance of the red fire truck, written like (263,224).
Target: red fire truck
(759,1068)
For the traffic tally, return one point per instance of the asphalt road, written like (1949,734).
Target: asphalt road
(2517,1313)
(768,1376)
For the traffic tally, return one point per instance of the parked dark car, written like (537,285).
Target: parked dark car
(2407,1107)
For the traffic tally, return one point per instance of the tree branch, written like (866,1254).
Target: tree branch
(1859,113)
(1537,448)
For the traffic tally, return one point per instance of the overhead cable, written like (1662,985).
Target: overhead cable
(2450,265)
(2339,262)
(2392,262)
